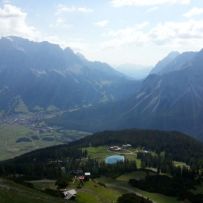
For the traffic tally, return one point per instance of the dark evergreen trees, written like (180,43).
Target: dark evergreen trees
(132,198)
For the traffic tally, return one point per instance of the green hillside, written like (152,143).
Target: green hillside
(160,166)
(11,192)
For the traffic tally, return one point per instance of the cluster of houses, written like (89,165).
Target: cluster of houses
(32,121)
(119,148)
(80,177)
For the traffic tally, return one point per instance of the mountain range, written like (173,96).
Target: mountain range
(36,76)
(40,75)
(170,98)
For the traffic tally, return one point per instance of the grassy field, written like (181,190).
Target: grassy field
(11,192)
(100,153)
(44,184)
(180,164)
(90,192)
(107,190)
(138,175)
(93,192)
(8,136)
(121,183)
(18,139)
(101,190)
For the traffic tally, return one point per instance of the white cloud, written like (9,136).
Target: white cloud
(60,23)
(120,3)
(126,36)
(193,12)
(173,34)
(185,30)
(102,23)
(152,9)
(61,9)
(13,22)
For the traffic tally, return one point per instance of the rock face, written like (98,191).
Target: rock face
(41,75)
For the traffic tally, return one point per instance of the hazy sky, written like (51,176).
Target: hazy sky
(114,31)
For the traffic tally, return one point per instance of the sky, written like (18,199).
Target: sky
(112,31)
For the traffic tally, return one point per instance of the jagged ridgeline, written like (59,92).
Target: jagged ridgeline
(36,76)
(92,96)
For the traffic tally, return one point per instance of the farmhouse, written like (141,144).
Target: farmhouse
(146,151)
(87,175)
(68,194)
(81,178)
(115,148)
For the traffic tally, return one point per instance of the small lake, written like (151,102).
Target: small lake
(114,159)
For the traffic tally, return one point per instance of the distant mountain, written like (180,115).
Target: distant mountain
(42,75)
(137,72)
(162,65)
(171,99)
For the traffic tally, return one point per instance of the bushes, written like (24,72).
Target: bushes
(176,186)
(132,198)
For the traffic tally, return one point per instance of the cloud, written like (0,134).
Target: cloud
(185,30)
(13,22)
(60,23)
(61,9)
(126,36)
(163,34)
(152,9)
(193,12)
(120,3)
(102,23)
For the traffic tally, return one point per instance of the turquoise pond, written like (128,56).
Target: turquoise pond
(114,159)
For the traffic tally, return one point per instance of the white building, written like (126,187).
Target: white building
(68,194)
